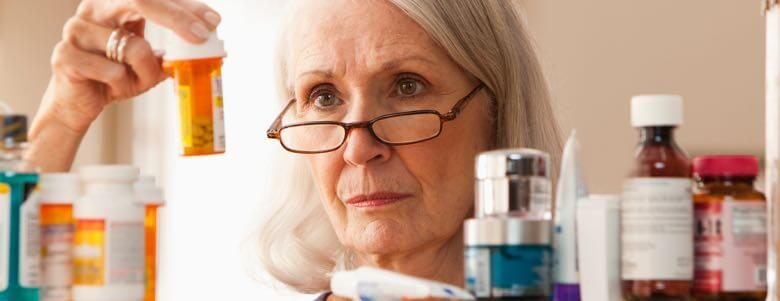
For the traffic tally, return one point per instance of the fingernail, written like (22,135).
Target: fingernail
(159,52)
(212,18)
(199,30)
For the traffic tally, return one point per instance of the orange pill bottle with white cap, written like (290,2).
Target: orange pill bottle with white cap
(58,192)
(197,73)
(150,197)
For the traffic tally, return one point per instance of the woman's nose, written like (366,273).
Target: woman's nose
(362,148)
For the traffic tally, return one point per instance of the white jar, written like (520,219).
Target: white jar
(109,239)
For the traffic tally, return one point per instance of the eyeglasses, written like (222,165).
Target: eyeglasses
(393,129)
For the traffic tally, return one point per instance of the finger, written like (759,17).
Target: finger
(136,26)
(175,17)
(188,20)
(86,35)
(137,52)
(203,11)
(112,14)
(143,61)
(159,54)
(207,14)
(82,65)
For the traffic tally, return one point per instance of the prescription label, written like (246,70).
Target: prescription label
(657,229)
(125,260)
(218,113)
(185,110)
(56,252)
(89,252)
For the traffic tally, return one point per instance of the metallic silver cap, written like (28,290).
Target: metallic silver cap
(513,162)
(513,182)
(502,231)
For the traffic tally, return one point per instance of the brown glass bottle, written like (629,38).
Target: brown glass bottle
(725,184)
(659,156)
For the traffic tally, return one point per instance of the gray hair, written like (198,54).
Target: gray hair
(488,40)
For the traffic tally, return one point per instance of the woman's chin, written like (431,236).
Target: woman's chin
(382,236)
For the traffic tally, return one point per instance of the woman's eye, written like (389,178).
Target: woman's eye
(325,100)
(409,87)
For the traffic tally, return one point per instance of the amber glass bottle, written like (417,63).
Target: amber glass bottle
(730,240)
(656,210)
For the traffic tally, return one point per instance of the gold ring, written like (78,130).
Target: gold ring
(120,48)
(113,42)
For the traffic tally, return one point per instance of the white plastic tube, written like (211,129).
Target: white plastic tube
(571,187)
(367,283)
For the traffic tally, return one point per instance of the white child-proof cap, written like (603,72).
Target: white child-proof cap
(59,188)
(656,110)
(147,191)
(109,173)
(177,49)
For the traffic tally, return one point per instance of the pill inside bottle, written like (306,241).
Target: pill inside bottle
(197,73)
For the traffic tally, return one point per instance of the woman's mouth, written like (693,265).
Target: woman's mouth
(377,199)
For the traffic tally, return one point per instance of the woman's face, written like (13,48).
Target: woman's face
(356,60)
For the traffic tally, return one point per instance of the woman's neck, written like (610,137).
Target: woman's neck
(439,261)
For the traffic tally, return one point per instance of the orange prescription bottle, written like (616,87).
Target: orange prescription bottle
(197,73)
(58,192)
(151,198)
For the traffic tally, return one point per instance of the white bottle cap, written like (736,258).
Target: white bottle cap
(59,188)
(109,173)
(178,49)
(656,110)
(147,191)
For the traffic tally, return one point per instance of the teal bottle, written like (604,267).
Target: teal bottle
(19,215)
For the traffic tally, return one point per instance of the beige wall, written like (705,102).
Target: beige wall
(598,53)
(29,29)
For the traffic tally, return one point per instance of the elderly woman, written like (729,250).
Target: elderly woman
(386,104)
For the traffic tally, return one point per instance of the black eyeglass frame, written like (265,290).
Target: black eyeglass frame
(276,128)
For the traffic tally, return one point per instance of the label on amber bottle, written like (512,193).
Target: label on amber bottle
(56,252)
(657,229)
(108,253)
(730,246)
(218,113)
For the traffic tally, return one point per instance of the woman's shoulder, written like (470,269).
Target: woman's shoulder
(323,297)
